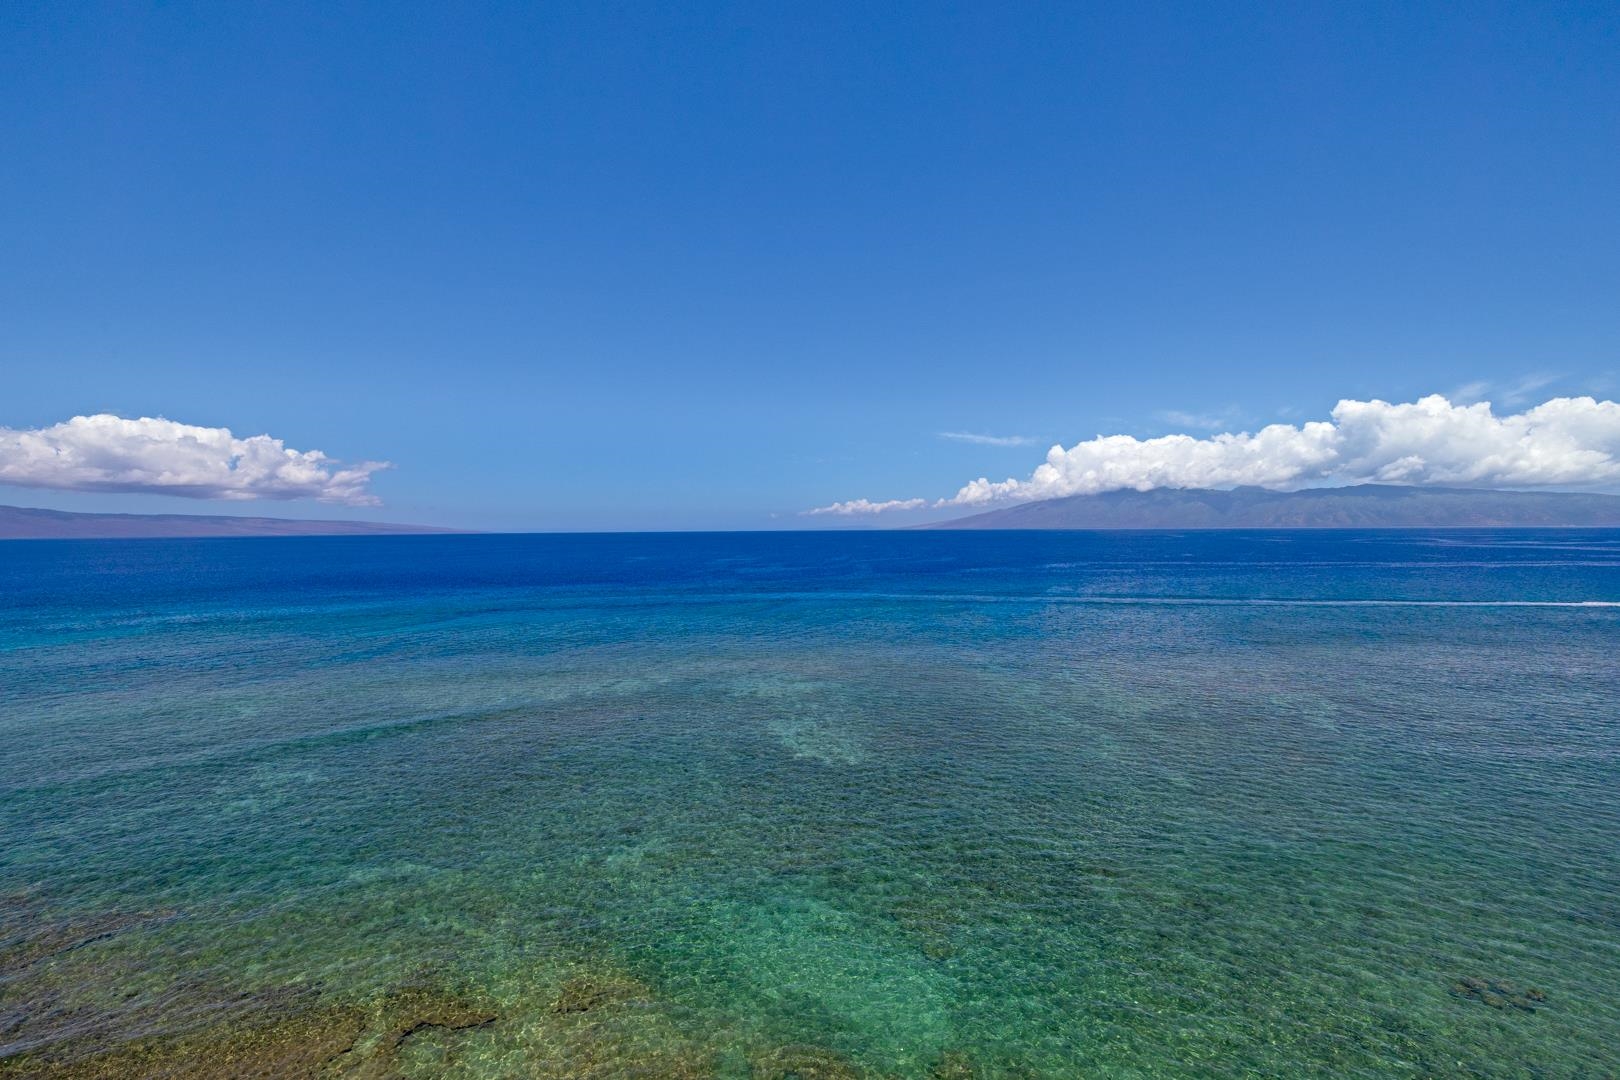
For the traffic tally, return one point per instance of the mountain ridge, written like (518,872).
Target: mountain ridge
(32,523)
(1366,506)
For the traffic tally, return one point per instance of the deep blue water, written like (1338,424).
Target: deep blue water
(914,804)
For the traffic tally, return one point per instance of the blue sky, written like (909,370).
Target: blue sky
(709,266)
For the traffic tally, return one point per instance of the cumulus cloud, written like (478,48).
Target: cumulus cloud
(855,507)
(987,440)
(1564,442)
(154,456)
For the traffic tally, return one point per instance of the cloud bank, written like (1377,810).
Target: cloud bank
(1564,442)
(154,456)
(855,507)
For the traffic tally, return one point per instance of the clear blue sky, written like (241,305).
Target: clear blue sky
(627,266)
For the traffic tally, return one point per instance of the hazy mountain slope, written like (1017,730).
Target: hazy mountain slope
(26,523)
(1368,506)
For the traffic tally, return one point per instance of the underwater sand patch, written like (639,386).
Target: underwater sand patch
(800,717)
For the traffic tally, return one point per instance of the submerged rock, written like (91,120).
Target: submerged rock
(583,993)
(954,1065)
(1498,993)
(604,1024)
(800,1062)
(294,1047)
(313,1040)
(930,921)
(39,938)
(409,1011)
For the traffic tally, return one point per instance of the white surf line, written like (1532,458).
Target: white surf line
(618,601)
(1215,601)
(1191,601)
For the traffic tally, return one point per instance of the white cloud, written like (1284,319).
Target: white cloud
(110,453)
(867,506)
(987,440)
(1565,442)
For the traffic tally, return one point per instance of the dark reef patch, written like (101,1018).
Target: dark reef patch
(293,1047)
(955,1065)
(802,1062)
(411,1010)
(1498,994)
(316,1040)
(30,935)
(584,993)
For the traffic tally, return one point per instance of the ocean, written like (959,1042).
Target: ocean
(813,805)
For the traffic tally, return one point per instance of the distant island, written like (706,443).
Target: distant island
(27,523)
(1365,506)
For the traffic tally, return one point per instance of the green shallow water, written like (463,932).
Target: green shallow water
(906,805)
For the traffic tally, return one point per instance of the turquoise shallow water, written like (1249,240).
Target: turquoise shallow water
(914,805)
